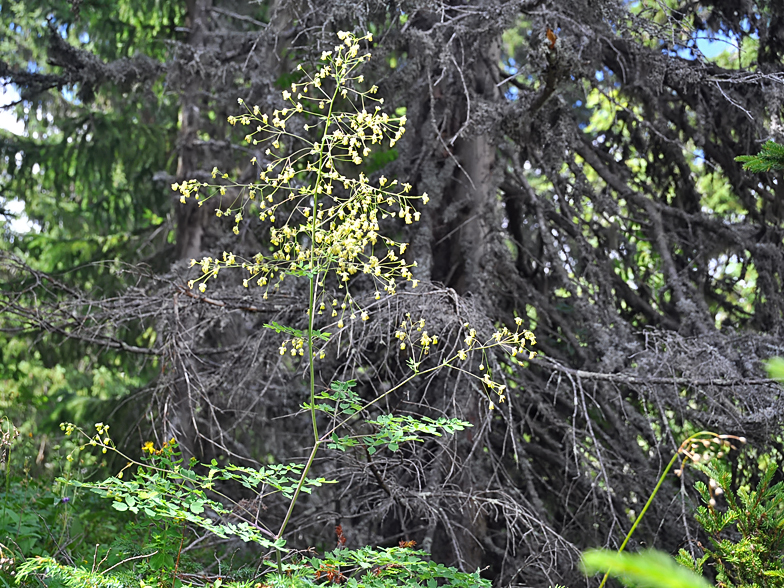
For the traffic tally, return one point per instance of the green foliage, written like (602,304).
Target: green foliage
(41,393)
(365,568)
(331,226)
(39,516)
(70,576)
(747,537)
(162,488)
(770,157)
(649,569)
(775,368)
(699,448)
(85,164)
(296,333)
(377,568)
(387,430)
(27,513)
(84,167)
(391,430)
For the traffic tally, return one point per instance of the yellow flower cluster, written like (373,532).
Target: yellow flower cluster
(297,346)
(412,336)
(324,217)
(100,439)
(413,333)
(166,448)
(512,342)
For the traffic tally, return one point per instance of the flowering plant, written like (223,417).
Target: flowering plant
(323,220)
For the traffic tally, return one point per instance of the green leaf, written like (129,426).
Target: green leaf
(775,367)
(649,569)
(196,507)
(340,386)
(278,328)
(121,506)
(161,560)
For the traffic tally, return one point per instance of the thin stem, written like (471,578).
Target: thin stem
(313,284)
(445,364)
(312,291)
(683,446)
(314,275)
(299,487)
(126,560)
(179,552)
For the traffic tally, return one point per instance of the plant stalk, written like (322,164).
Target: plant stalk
(312,291)
(653,494)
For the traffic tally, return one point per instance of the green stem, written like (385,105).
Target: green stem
(318,441)
(313,283)
(684,445)
(299,487)
(312,291)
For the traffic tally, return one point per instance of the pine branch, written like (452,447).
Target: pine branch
(771,157)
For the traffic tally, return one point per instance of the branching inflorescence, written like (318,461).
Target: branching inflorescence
(323,217)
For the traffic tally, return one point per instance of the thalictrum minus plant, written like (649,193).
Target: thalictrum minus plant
(323,219)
